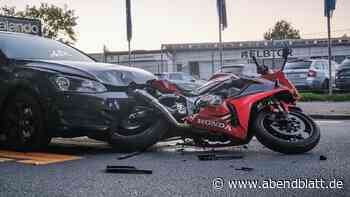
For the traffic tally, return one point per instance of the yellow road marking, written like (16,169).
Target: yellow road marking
(37,158)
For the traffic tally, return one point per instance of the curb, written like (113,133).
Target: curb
(330,117)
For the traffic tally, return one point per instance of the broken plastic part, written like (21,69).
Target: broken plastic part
(126,170)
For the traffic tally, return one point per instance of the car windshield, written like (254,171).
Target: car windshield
(298,65)
(175,76)
(232,69)
(248,69)
(35,47)
(346,63)
(180,76)
(187,77)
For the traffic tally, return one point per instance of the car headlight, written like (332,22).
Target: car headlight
(76,84)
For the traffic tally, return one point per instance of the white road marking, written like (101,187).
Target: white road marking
(329,121)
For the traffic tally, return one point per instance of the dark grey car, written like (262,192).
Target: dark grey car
(342,80)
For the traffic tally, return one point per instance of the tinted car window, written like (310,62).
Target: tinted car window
(34,47)
(298,65)
(345,72)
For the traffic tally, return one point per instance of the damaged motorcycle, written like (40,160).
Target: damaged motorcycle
(226,111)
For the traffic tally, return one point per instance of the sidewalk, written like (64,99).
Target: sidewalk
(326,110)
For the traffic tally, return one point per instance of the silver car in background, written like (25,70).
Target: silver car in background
(311,74)
(183,81)
(237,69)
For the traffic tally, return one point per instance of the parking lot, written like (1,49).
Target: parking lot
(77,168)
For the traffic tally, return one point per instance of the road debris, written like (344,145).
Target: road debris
(323,158)
(130,155)
(211,157)
(245,169)
(126,170)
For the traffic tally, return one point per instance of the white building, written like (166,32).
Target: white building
(150,60)
(202,59)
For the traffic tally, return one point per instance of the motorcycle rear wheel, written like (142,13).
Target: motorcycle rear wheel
(295,135)
(138,135)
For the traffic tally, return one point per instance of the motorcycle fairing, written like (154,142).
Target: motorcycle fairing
(218,118)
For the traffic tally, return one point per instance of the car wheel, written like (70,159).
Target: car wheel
(23,124)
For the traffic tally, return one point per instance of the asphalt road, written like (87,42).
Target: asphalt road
(180,173)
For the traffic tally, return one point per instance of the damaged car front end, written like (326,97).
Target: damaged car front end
(49,89)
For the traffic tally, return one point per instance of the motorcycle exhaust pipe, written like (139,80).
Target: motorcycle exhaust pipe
(144,95)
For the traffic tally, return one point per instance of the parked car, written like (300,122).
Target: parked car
(342,79)
(182,80)
(49,89)
(237,69)
(310,74)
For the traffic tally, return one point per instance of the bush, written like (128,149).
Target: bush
(307,97)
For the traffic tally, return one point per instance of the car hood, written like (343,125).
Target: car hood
(106,73)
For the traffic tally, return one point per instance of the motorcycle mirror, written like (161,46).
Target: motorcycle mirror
(255,61)
(285,52)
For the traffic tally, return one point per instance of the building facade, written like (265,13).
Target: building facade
(202,59)
(150,60)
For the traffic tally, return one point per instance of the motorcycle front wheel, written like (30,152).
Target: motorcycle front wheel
(295,134)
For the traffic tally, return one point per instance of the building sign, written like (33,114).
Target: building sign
(263,53)
(21,25)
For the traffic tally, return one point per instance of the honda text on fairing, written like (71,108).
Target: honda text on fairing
(230,110)
(49,89)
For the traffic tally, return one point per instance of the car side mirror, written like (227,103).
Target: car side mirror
(3,59)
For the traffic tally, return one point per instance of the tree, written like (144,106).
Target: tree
(282,30)
(57,23)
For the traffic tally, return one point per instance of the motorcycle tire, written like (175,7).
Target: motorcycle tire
(265,132)
(141,140)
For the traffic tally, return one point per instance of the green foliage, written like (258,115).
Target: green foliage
(325,97)
(282,30)
(58,23)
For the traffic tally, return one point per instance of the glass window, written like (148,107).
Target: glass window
(318,65)
(298,65)
(35,47)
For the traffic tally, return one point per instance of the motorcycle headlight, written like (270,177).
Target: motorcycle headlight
(75,84)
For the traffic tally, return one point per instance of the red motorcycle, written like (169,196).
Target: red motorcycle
(229,111)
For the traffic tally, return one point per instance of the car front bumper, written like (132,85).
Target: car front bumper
(308,84)
(79,114)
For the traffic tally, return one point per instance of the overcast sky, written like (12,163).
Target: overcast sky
(182,21)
